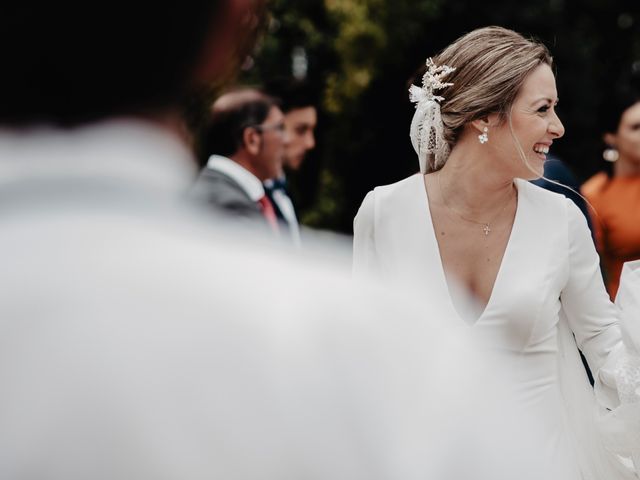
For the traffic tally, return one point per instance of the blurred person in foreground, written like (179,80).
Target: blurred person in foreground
(298,103)
(244,143)
(139,343)
(614,192)
(469,224)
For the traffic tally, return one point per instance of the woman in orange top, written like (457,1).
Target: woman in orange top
(615,193)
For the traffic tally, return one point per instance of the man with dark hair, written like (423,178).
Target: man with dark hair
(298,102)
(300,119)
(245,143)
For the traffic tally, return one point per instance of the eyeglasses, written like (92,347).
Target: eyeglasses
(279,127)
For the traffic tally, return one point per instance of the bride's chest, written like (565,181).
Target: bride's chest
(520,284)
(471,257)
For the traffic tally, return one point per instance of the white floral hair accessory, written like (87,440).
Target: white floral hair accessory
(427,130)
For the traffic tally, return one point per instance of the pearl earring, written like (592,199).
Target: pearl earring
(483,137)
(610,154)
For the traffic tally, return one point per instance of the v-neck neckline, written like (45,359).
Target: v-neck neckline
(438,254)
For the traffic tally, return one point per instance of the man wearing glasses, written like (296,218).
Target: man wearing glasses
(245,143)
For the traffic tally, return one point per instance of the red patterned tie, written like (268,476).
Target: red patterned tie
(269,213)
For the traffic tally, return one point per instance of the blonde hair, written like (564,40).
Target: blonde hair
(491,65)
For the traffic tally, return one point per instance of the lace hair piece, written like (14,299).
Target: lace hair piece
(427,129)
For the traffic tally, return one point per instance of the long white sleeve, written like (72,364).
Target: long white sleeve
(595,322)
(593,318)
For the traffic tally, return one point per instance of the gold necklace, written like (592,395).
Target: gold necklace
(486,226)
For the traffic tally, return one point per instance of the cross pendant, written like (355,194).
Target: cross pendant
(486,229)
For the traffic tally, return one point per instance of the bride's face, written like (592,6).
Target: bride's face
(534,125)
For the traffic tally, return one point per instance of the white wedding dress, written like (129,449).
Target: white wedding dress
(548,285)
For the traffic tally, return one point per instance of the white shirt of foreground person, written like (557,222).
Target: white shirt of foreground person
(138,343)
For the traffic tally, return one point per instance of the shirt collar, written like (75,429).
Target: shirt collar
(247,180)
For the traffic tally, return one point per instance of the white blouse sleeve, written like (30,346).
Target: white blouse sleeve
(364,246)
(592,317)
(595,322)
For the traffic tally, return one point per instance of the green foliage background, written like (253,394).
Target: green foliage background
(362,54)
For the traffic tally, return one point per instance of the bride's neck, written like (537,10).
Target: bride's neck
(472,185)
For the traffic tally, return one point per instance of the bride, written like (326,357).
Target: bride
(469,224)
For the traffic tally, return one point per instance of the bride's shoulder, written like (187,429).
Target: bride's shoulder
(549,205)
(406,185)
(397,195)
(540,194)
